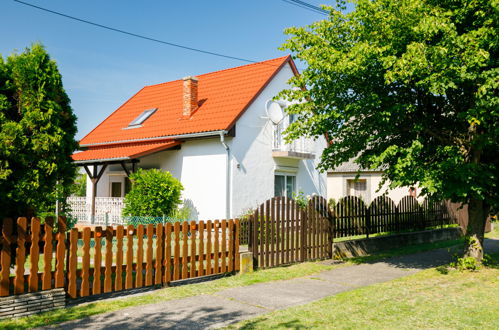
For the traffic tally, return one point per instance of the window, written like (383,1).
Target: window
(284,185)
(142,117)
(357,188)
(116,189)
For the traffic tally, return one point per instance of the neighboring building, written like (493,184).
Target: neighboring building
(342,181)
(213,133)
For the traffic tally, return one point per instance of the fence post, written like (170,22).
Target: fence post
(303,235)
(330,233)
(368,221)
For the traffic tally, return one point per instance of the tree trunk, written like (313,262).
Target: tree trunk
(477,216)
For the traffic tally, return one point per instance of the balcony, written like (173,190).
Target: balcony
(301,148)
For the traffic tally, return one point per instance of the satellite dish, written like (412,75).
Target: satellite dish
(274,112)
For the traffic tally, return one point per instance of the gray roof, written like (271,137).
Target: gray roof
(352,167)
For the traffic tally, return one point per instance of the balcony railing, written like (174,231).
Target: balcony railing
(301,145)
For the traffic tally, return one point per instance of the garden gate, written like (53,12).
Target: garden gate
(284,232)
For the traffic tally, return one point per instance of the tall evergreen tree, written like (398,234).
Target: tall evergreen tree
(37,129)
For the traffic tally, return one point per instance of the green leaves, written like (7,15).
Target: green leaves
(154,193)
(37,128)
(409,86)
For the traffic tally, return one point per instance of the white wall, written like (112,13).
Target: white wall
(201,166)
(337,186)
(253,179)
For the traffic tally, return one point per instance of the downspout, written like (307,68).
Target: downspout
(227,176)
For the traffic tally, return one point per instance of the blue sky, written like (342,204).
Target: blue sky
(101,69)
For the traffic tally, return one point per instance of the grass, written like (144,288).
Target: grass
(494,234)
(78,312)
(431,299)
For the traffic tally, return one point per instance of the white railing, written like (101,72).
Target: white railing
(107,210)
(302,145)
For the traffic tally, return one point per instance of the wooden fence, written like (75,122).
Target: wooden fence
(282,232)
(101,260)
(352,217)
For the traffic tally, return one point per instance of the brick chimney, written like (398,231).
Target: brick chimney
(190,101)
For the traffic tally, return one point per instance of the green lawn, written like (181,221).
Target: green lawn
(437,298)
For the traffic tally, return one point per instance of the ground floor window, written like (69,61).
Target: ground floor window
(284,185)
(357,188)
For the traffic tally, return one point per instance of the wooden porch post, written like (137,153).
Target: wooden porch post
(94,178)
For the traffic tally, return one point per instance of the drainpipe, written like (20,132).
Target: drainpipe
(227,176)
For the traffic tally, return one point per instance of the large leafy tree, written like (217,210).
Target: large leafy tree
(37,129)
(411,86)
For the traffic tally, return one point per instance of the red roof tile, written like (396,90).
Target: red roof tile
(123,151)
(224,95)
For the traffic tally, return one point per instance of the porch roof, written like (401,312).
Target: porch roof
(122,151)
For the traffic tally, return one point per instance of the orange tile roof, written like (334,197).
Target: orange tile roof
(123,151)
(225,95)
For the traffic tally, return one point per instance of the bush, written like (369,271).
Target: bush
(154,193)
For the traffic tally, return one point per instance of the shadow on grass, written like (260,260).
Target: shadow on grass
(257,324)
(442,253)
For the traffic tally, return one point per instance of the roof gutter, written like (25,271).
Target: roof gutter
(101,160)
(181,136)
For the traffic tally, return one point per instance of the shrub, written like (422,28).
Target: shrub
(154,193)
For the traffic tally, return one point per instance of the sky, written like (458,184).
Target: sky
(102,69)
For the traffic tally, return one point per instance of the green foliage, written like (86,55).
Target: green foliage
(182,213)
(300,199)
(154,193)
(145,220)
(466,263)
(79,187)
(37,129)
(409,86)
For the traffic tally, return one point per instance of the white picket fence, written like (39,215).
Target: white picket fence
(107,210)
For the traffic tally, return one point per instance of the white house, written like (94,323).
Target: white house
(342,181)
(213,133)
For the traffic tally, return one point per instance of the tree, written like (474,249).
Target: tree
(37,129)
(79,187)
(154,193)
(410,86)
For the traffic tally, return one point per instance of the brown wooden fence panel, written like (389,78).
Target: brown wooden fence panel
(96,285)
(283,233)
(47,254)
(118,284)
(22,224)
(109,260)
(73,263)
(85,273)
(140,256)
(149,253)
(158,268)
(192,255)
(201,252)
(88,272)
(168,252)
(34,255)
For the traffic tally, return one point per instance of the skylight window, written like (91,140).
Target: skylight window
(142,118)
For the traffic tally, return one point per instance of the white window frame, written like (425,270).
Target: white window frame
(286,175)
